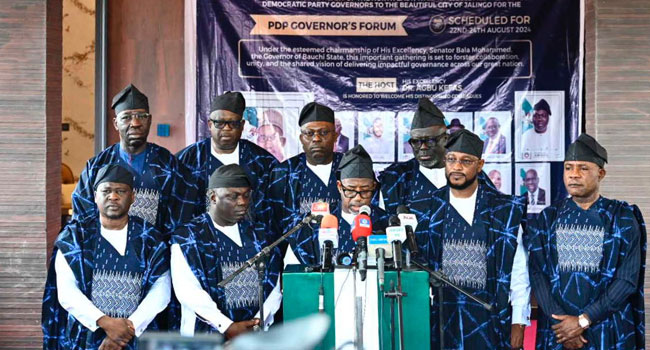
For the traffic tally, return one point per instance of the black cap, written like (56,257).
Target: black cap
(427,115)
(315,112)
(586,149)
(113,173)
(229,101)
(130,98)
(231,175)
(542,105)
(356,164)
(465,141)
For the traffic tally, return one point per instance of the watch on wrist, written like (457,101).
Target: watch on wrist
(583,321)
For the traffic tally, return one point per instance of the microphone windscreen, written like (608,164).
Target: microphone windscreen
(329,221)
(365,210)
(402,209)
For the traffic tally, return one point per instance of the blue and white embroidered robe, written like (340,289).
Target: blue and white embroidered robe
(404,184)
(212,256)
(165,194)
(256,162)
(479,258)
(147,256)
(590,261)
(293,189)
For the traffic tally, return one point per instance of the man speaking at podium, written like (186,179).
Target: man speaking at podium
(356,186)
(475,239)
(211,247)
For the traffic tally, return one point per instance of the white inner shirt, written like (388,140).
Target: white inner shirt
(117,238)
(436,176)
(226,158)
(464,206)
(323,171)
(231,232)
(348,217)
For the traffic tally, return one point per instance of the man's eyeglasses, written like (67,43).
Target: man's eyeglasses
(126,118)
(430,141)
(350,193)
(464,162)
(233,124)
(309,134)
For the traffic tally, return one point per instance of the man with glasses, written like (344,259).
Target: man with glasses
(411,183)
(164,194)
(225,146)
(356,186)
(474,238)
(310,176)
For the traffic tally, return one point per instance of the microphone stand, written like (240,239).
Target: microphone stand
(396,294)
(438,280)
(258,262)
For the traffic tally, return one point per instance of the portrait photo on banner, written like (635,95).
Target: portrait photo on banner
(272,121)
(501,176)
(539,125)
(404,149)
(345,122)
(534,180)
(458,120)
(376,133)
(494,128)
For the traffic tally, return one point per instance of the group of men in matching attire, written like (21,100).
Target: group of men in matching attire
(153,234)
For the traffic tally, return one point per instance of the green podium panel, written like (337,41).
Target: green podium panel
(300,290)
(416,311)
(300,297)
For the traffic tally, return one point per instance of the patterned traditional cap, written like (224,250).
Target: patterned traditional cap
(229,101)
(356,164)
(586,149)
(315,112)
(113,173)
(130,98)
(465,141)
(231,175)
(427,115)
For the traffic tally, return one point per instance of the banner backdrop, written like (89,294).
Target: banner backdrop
(510,71)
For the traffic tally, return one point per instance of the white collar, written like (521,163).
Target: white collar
(348,217)
(464,206)
(226,158)
(231,232)
(436,176)
(323,171)
(117,238)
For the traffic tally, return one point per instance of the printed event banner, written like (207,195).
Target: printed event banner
(510,71)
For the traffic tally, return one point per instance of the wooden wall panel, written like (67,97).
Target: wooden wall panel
(618,99)
(148,51)
(30,156)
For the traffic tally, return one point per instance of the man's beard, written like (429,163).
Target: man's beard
(463,185)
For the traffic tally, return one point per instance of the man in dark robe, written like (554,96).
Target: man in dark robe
(309,177)
(210,248)
(164,194)
(587,261)
(109,274)
(356,186)
(226,146)
(473,238)
(411,183)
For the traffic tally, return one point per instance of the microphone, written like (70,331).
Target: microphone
(381,255)
(328,239)
(409,222)
(396,235)
(360,231)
